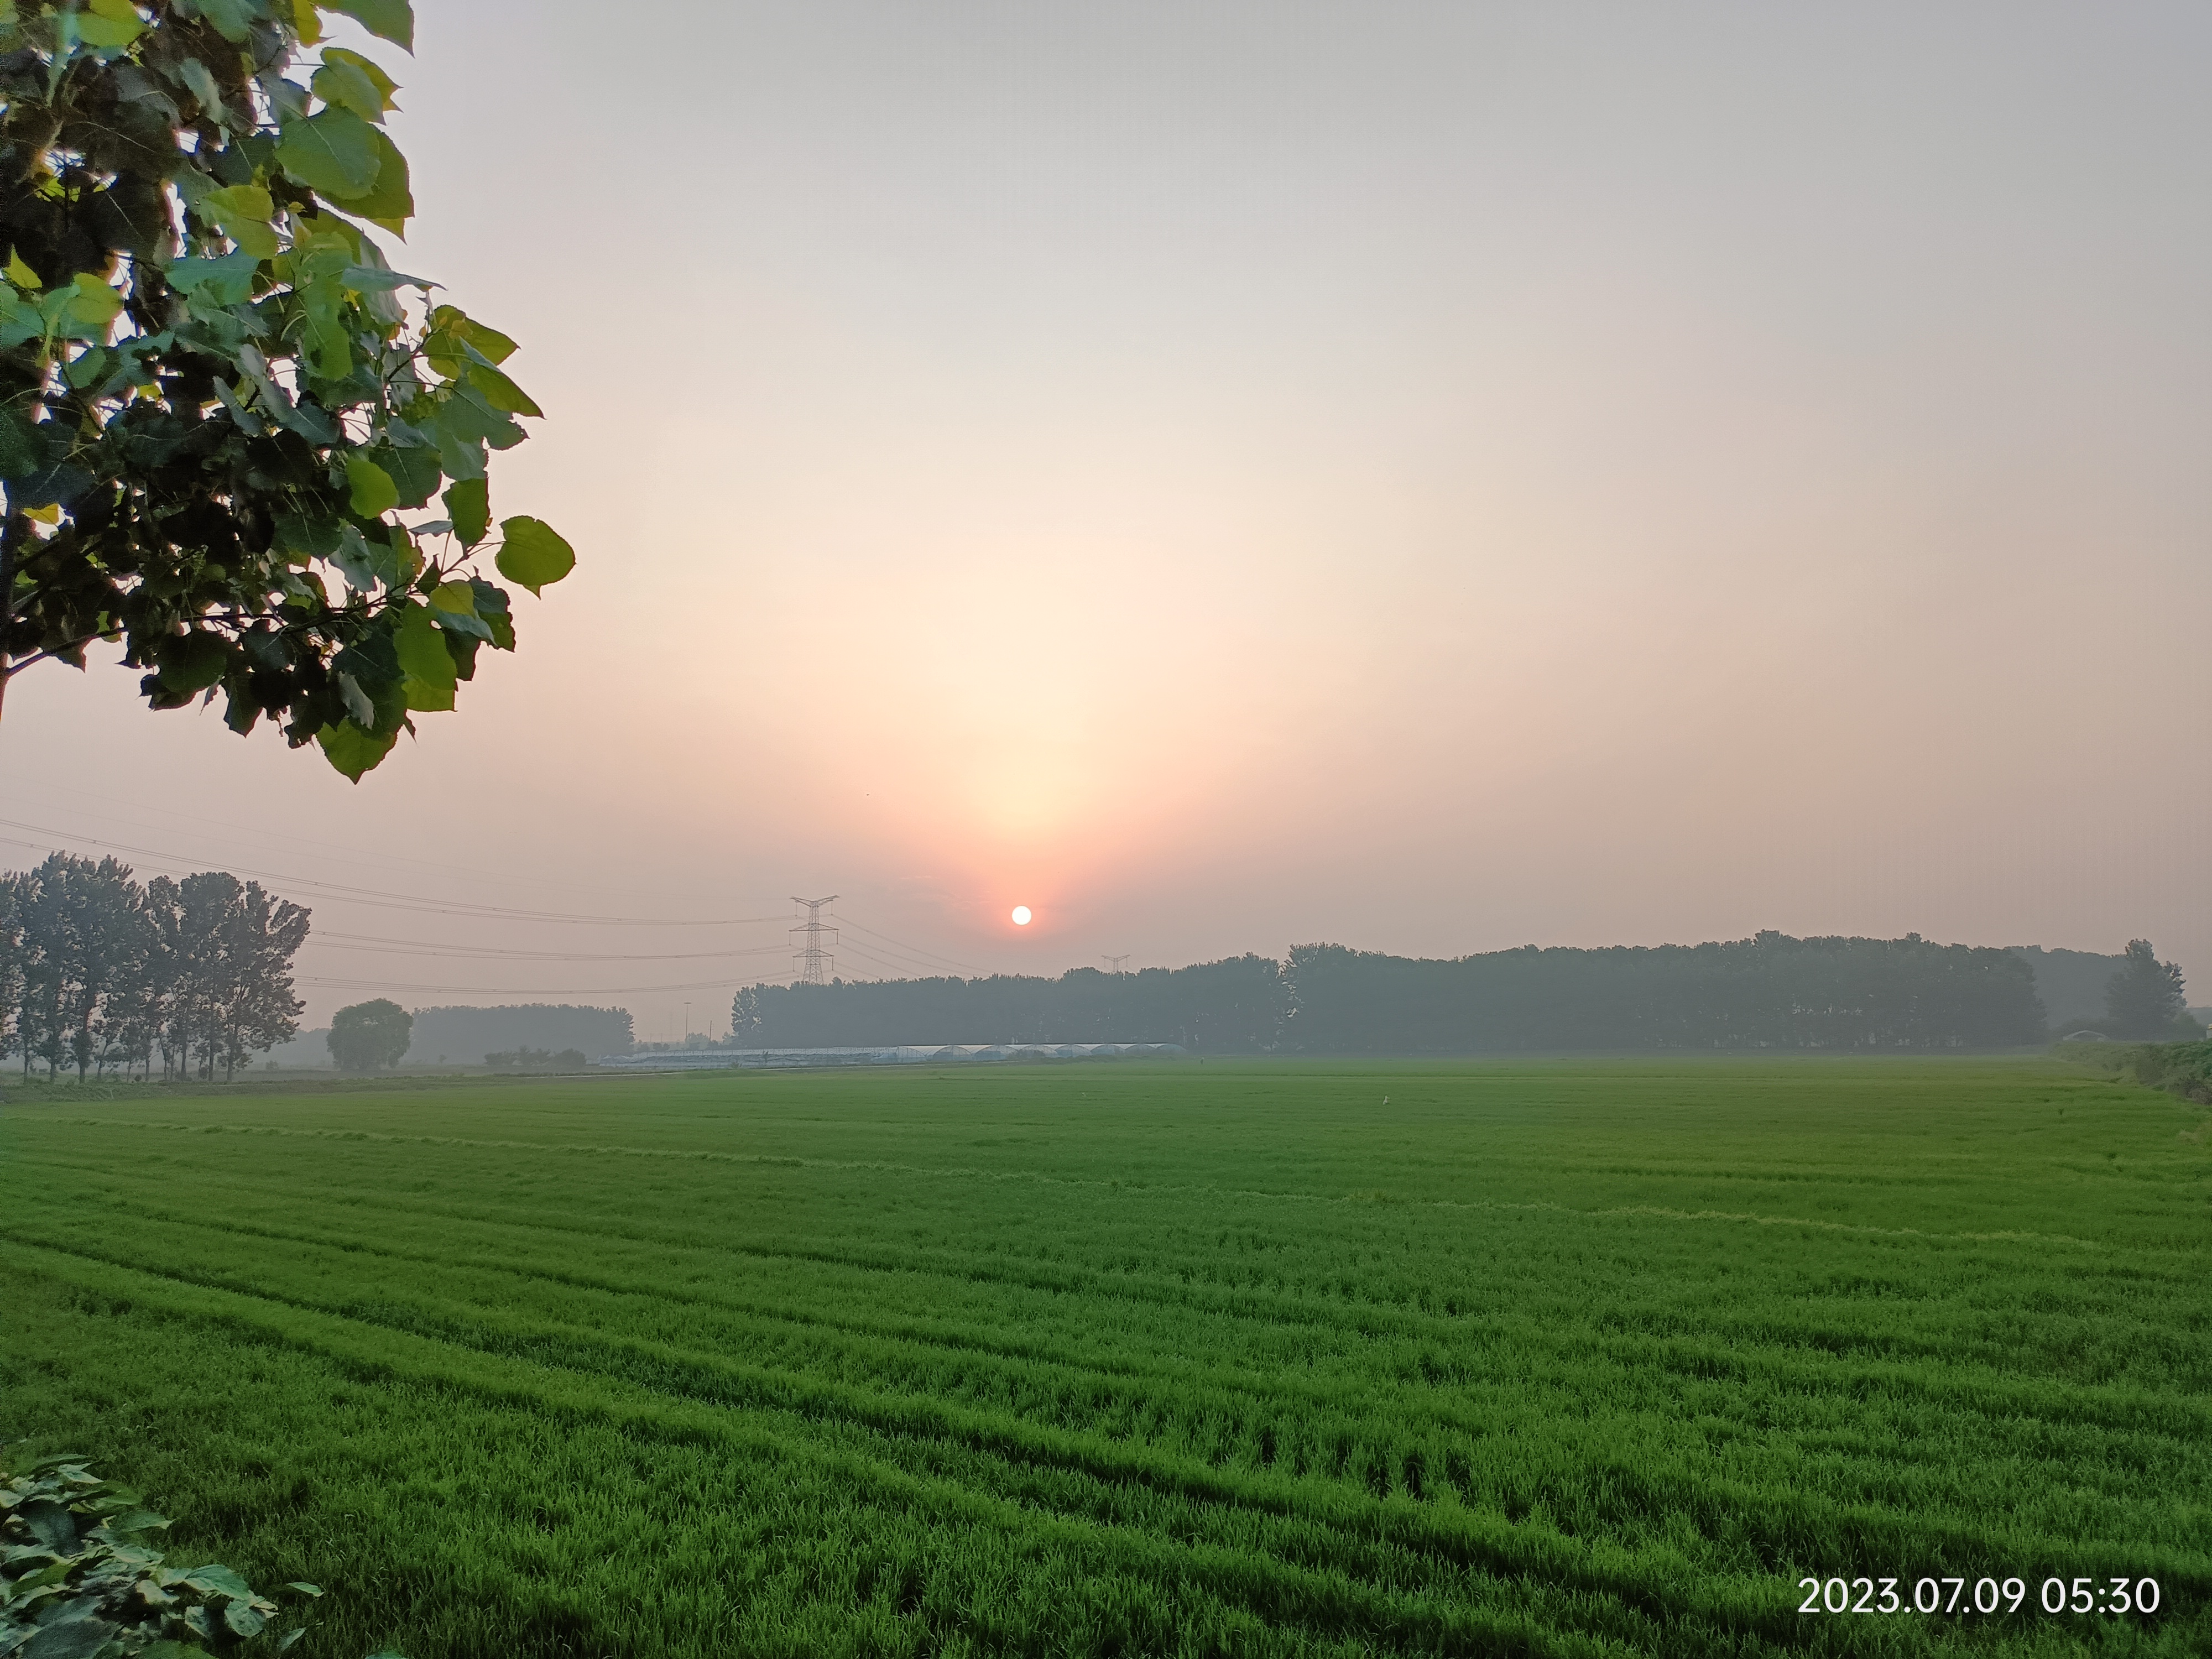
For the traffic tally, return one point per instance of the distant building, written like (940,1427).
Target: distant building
(949,1053)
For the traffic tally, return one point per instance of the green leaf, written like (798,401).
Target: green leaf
(312,538)
(244,1619)
(455,602)
(233,20)
(237,202)
(387,201)
(427,665)
(467,414)
(136,1521)
(367,279)
(305,1588)
(214,1580)
(188,663)
(52,485)
(201,80)
(451,319)
(242,212)
(355,82)
(375,494)
(21,455)
(500,393)
(68,1638)
(333,153)
(354,749)
(87,366)
(51,1523)
(532,553)
(388,19)
(227,281)
(108,23)
(82,310)
(459,457)
(462,647)
(413,472)
(357,559)
(329,343)
(468,503)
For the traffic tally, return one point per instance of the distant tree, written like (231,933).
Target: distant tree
(744,1015)
(87,929)
(12,955)
(254,938)
(170,1020)
(208,968)
(370,1035)
(97,971)
(2145,1000)
(467,1035)
(216,395)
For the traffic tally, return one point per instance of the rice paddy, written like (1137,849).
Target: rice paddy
(1567,1357)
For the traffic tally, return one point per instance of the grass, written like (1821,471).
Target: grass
(1566,1358)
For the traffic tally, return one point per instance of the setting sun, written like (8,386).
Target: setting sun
(1021,915)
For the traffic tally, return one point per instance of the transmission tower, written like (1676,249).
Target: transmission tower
(810,963)
(1114,964)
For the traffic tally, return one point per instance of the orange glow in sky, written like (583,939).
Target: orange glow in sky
(1419,477)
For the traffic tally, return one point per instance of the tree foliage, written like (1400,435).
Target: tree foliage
(1768,992)
(466,1036)
(217,399)
(1233,1006)
(2145,998)
(370,1035)
(1771,991)
(81,1574)
(96,971)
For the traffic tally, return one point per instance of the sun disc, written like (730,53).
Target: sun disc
(1021,915)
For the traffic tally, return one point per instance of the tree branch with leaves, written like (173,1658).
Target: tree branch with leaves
(219,403)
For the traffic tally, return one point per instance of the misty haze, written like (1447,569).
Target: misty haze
(1105,831)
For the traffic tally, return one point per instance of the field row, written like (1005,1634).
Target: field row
(987,1392)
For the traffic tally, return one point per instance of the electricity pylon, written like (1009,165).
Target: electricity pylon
(811,964)
(1114,964)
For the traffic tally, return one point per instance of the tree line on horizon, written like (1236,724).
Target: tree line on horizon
(98,973)
(1771,991)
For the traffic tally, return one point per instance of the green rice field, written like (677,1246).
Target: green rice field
(1574,1358)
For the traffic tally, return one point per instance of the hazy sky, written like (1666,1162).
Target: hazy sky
(1429,477)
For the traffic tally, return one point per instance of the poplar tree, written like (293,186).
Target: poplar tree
(12,955)
(97,971)
(219,403)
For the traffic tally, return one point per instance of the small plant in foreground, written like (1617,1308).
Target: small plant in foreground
(81,1579)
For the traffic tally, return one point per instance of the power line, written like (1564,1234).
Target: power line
(895,956)
(914,950)
(388,901)
(323,984)
(320,846)
(895,960)
(367,944)
(894,969)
